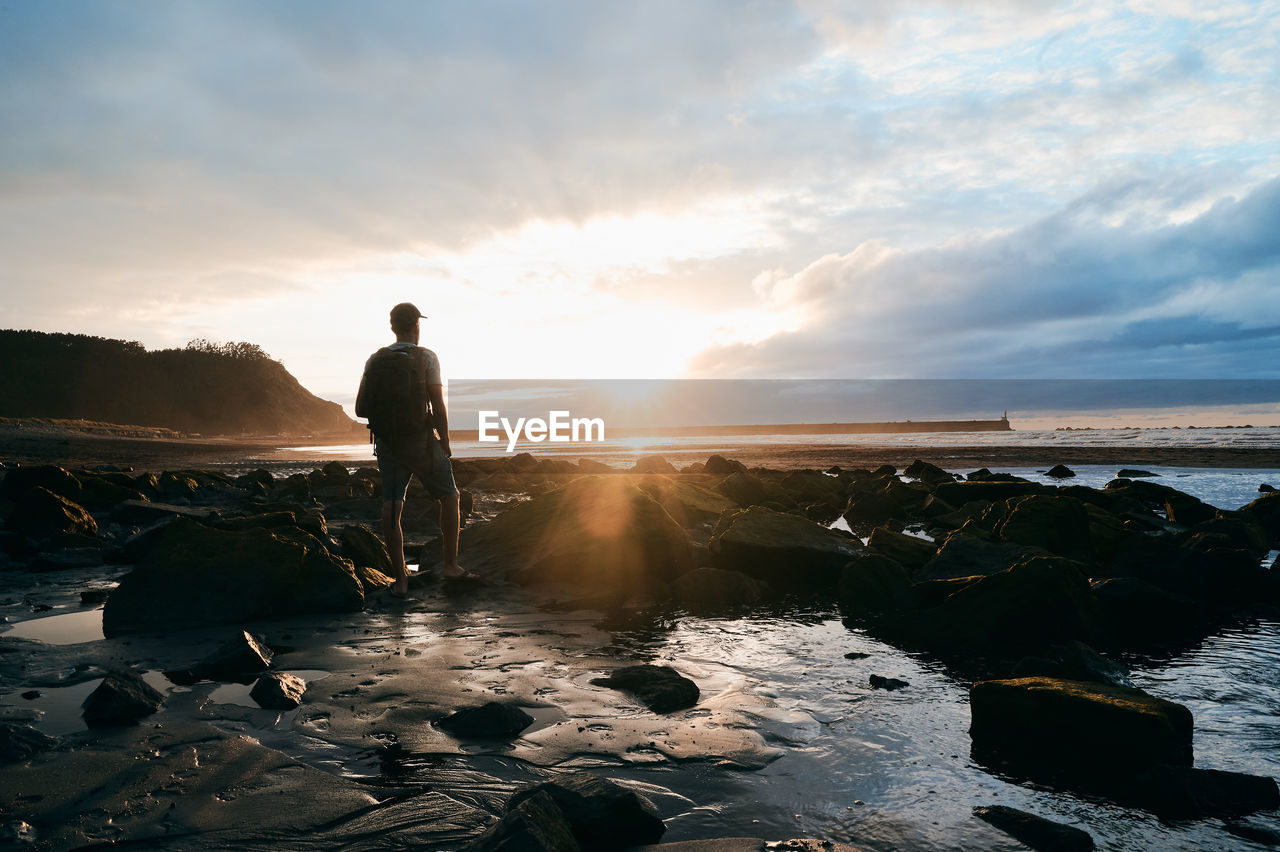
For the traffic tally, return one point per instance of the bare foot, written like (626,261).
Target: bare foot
(457,572)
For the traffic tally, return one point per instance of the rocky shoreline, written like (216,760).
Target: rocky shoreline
(1025,591)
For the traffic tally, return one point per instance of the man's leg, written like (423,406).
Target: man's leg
(394,535)
(450,522)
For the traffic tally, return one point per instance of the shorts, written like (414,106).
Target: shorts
(397,464)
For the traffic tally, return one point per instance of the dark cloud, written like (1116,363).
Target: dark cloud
(1075,295)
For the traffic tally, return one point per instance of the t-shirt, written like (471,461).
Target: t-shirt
(433,362)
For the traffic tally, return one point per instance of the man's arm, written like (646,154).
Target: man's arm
(439,416)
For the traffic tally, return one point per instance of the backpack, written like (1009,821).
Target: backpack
(393,395)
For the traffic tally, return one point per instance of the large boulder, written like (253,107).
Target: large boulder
(193,576)
(909,551)
(688,504)
(742,488)
(603,815)
(535,824)
(367,552)
(600,533)
(19,480)
(784,550)
(278,691)
(1057,524)
(1011,613)
(653,464)
(1137,613)
(1074,723)
(959,493)
(963,554)
(492,720)
(718,465)
(712,589)
(874,582)
(42,514)
(929,474)
(1040,834)
(1266,512)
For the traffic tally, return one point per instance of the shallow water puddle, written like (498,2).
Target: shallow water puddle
(238,693)
(65,629)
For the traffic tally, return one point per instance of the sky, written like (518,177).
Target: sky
(808,189)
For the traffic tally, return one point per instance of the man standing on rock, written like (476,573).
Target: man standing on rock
(402,395)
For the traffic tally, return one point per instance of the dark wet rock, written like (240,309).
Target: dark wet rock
(927,473)
(785,550)
(889,683)
(366,550)
(536,824)
(1266,511)
(1182,792)
(175,485)
(1012,612)
(67,558)
(965,555)
(294,487)
(604,815)
(808,486)
(240,658)
(959,493)
(18,742)
(278,691)
(1239,530)
(689,504)
(1073,661)
(711,589)
(743,488)
(857,655)
(144,513)
(493,720)
(1187,510)
(1130,473)
(100,494)
(956,519)
(1266,488)
(718,465)
(121,699)
(909,551)
(1055,721)
(193,575)
(93,597)
(1060,471)
(874,582)
(660,688)
(1039,833)
(19,480)
(653,464)
(601,533)
(1057,524)
(523,462)
(262,520)
(42,514)
(885,470)
(1136,612)
(593,466)
(17,545)
(872,509)
(1250,831)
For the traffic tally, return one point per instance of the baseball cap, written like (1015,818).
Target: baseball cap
(405,314)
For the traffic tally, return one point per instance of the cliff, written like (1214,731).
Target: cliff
(206,388)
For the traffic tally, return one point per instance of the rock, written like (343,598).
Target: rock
(278,691)
(99,494)
(488,721)
(93,597)
(1060,471)
(1129,473)
(742,488)
(536,824)
(238,659)
(18,742)
(603,815)
(42,514)
(523,462)
(1256,833)
(19,480)
(909,551)
(17,545)
(873,509)
(930,474)
(1266,511)
(193,575)
(688,504)
(959,493)
(177,484)
(145,513)
(653,464)
(885,470)
(1039,833)
(857,655)
(365,550)
(811,486)
(68,557)
(889,683)
(1011,613)
(1075,723)
(718,465)
(965,555)
(1184,509)
(593,466)
(121,699)
(874,582)
(660,688)
(787,551)
(1057,524)
(1265,488)
(1137,613)
(599,533)
(1181,792)
(711,589)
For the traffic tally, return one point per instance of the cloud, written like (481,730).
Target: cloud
(1084,293)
